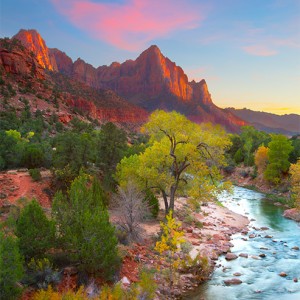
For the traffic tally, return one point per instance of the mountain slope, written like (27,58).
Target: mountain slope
(151,81)
(286,124)
(54,93)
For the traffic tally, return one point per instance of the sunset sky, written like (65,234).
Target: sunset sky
(247,51)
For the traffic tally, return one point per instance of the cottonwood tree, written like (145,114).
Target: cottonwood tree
(279,149)
(261,158)
(183,157)
(131,210)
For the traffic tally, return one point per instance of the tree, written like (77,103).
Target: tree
(33,156)
(251,139)
(84,228)
(131,210)
(261,159)
(35,232)
(111,145)
(11,267)
(295,154)
(279,149)
(295,183)
(182,157)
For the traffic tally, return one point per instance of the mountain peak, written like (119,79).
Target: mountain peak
(33,41)
(152,50)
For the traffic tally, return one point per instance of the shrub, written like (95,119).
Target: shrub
(41,274)
(35,174)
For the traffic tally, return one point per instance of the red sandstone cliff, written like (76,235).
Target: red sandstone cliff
(16,59)
(151,81)
(33,41)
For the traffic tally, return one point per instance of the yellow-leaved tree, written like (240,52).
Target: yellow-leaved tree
(261,159)
(182,157)
(295,182)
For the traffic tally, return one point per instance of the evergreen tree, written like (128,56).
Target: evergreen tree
(35,232)
(11,268)
(84,227)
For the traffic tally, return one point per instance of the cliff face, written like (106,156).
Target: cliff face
(32,40)
(15,59)
(151,81)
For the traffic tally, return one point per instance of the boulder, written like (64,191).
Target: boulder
(293,214)
(231,256)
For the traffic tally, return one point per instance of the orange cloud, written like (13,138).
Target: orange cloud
(259,50)
(132,24)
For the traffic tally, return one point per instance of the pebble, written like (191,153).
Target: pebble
(245,255)
(232,281)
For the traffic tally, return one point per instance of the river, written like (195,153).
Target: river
(260,277)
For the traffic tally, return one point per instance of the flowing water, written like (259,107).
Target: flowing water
(259,276)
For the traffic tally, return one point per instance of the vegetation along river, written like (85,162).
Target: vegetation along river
(259,275)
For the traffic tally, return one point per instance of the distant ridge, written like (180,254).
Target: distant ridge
(288,124)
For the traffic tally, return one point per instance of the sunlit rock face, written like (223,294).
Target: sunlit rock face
(152,81)
(20,62)
(33,41)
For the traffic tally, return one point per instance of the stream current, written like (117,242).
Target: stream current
(259,275)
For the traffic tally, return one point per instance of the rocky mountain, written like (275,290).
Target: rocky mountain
(53,93)
(151,81)
(286,124)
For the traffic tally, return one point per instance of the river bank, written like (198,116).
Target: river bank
(245,177)
(208,233)
(267,259)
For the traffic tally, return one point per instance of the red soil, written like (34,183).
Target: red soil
(16,185)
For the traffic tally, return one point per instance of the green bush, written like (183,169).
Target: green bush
(35,174)
(41,274)
(11,268)
(152,202)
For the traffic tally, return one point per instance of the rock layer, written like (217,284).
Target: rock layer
(152,81)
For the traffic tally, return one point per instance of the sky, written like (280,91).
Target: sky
(248,51)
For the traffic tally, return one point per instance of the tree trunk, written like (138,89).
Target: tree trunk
(172,196)
(165,197)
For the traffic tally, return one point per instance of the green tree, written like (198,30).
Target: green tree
(35,232)
(182,157)
(251,139)
(84,228)
(295,183)
(11,268)
(295,154)
(112,143)
(279,150)
(33,156)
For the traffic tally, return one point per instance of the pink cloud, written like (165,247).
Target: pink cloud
(132,24)
(259,50)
